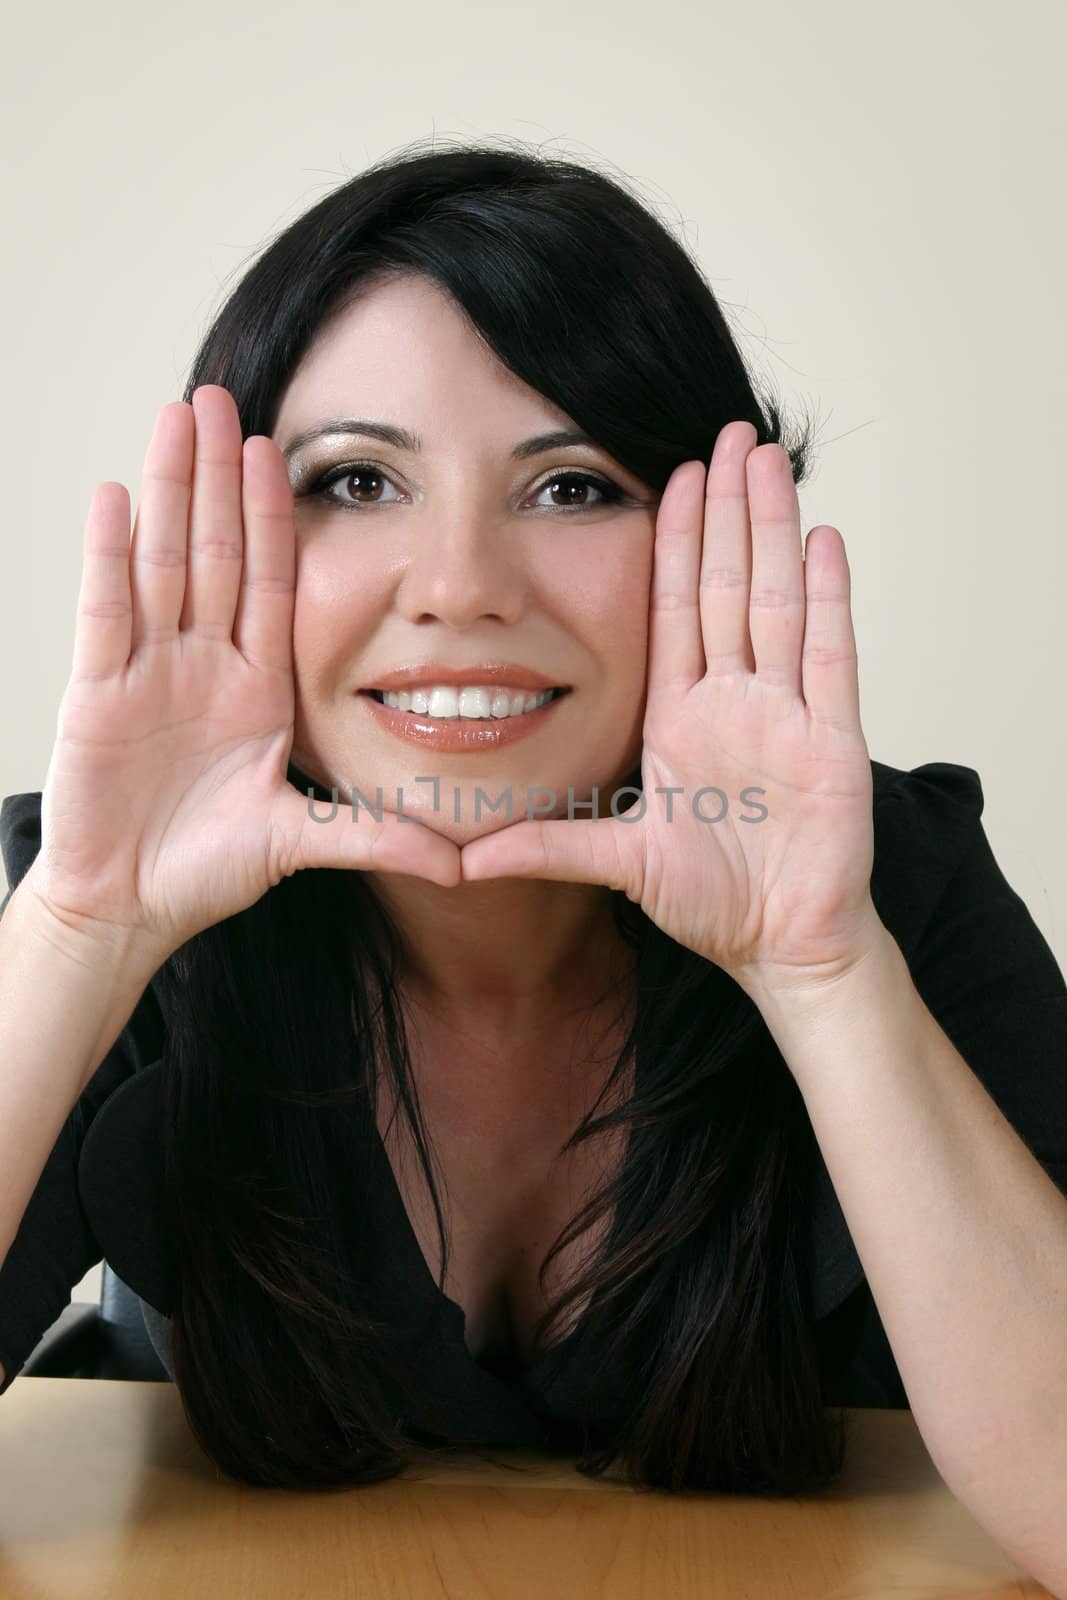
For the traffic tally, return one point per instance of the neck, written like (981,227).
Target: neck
(506,953)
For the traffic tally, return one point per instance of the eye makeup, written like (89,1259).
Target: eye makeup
(310,484)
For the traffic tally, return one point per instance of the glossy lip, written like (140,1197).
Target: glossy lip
(454,735)
(498,674)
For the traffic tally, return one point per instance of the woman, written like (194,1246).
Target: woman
(676,999)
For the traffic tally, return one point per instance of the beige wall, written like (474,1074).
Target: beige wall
(876,194)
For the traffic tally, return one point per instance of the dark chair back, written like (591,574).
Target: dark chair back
(105,1341)
(126,1350)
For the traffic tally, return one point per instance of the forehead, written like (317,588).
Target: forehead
(404,351)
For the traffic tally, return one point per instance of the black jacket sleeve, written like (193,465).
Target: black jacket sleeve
(988,976)
(55,1245)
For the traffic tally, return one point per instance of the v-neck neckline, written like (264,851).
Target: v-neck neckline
(452,1308)
(550,1358)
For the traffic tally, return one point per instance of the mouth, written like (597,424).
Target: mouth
(450,730)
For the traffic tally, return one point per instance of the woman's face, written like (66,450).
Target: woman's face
(458,554)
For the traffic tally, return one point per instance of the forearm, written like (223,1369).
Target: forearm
(64,999)
(962,1236)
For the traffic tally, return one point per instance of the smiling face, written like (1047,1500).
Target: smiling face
(458,553)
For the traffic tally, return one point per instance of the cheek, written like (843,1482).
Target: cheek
(332,611)
(605,599)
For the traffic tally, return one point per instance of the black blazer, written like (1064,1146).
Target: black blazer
(974,952)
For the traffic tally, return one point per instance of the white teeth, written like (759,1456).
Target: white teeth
(447,702)
(443,703)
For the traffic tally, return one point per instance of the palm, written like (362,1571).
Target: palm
(752,686)
(752,890)
(214,730)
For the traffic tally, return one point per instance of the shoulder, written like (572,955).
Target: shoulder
(20,833)
(926,820)
(939,791)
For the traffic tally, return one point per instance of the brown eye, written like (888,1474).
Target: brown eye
(359,479)
(609,492)
(366,477)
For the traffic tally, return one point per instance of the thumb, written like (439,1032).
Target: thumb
(598,850)
(353,839)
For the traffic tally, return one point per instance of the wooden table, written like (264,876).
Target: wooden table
(104,1493)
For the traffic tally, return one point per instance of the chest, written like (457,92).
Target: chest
(505,1188)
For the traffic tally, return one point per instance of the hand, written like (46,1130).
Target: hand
(752,684)
(166,805)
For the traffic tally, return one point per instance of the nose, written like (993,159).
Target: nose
(461,569)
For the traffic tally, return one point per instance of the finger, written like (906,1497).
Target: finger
(216,538)
(160,531)
(776,600)
(356,841)
(675,653)
(103,621)
(593,851)
(263,629)
(726,563)
(830,661)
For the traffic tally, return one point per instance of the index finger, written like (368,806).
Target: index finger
(263,627)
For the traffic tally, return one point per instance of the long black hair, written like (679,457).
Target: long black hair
(283,1021)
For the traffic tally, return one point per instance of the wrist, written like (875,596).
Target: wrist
(108,949)
(807,985)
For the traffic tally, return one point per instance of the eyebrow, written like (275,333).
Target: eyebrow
(403,440)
